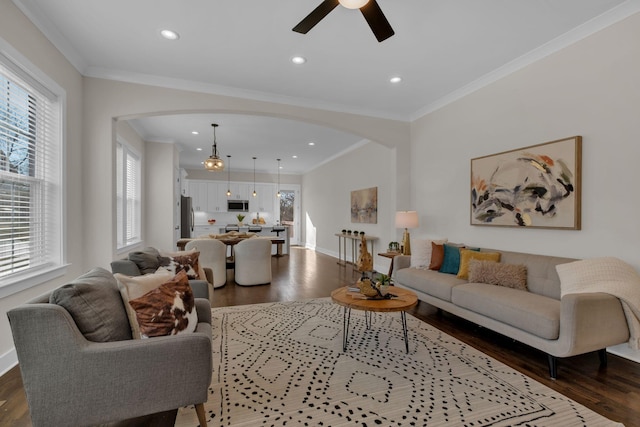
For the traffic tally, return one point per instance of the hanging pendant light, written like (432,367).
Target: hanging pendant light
(278,193)
(214,163)
(228,176)
(254,177)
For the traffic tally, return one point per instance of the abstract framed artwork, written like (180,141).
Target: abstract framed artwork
(536,187)
(364,205)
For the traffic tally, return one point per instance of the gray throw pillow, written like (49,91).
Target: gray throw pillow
(146,260)
(94,302)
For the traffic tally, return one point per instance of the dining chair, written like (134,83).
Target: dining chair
(253,261)
(213,254)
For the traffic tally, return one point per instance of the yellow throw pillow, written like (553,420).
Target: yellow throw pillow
(466,255)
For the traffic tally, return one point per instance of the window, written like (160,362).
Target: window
(128,197)
(30,176)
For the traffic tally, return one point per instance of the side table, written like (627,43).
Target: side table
(391,255)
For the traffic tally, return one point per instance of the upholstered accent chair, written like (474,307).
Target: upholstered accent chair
(213,255)
(80,365)
(253,261)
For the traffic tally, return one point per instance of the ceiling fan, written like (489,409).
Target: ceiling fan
(369,8)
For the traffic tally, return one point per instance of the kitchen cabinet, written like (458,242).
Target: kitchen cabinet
(208,196)
(198,190)
(265,199)
(239,191)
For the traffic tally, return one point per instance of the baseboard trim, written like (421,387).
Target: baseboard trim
(8,361)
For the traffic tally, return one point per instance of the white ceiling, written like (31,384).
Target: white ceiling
(442,49)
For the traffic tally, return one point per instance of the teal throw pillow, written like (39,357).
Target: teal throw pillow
(451,261)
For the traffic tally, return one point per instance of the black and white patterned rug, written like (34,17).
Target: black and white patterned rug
(282,364)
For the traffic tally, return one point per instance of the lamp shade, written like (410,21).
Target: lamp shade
(406,219)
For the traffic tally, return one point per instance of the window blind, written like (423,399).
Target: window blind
(30,175)
(128,196)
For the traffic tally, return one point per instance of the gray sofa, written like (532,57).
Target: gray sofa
(539,317)
(81,367)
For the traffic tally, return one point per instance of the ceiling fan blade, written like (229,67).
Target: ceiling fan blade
(316,16)
(376,20)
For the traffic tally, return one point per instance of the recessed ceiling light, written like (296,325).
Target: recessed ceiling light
(198,149)
(195,132)
(395,79)
(281,167)
(298,60)
(294,157)
(169,34)
(312,143)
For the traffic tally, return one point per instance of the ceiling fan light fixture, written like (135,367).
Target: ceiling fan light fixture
(353,4)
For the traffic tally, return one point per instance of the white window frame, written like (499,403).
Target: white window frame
(52,263)
(128,215)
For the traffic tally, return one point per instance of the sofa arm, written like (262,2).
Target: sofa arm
(590,322)
(126,267)
(401,261)
(208,272)
(203,308)
(200,289)
(61,368)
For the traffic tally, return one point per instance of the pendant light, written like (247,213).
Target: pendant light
(214,163)
(254,177)
(228,175)
(278,193)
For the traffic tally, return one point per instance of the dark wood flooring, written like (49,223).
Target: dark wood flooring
(613,391)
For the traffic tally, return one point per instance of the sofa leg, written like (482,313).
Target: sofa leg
(202,419)
(553,366)
(602,355)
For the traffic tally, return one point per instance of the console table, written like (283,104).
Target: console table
(355,239)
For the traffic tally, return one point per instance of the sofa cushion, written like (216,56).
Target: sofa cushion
(146,260)
(536,314)
(94,302)
(134,287)
(421,252)
(428,281)
(166,310)
(495,273)
(467,254)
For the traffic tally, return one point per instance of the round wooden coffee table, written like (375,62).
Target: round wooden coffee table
(404,300)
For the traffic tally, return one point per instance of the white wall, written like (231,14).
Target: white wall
(18,32)
(326,199)
(591,88)
(159,219)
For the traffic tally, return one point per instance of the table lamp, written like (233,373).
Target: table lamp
(406,220)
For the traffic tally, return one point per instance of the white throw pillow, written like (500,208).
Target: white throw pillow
(421,251)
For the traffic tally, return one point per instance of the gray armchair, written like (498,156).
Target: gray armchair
(71,381)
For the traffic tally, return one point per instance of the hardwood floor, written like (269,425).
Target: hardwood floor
(613,391)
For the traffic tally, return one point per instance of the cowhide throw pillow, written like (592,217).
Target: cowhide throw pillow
(496,273)
(186,261)
(167,310)
(132,287)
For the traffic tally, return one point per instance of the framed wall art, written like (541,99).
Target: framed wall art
(535,187)
(364,205)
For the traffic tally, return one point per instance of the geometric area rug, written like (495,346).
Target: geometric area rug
(282,364)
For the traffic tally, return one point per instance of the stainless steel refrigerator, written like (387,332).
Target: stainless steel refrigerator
(186,217)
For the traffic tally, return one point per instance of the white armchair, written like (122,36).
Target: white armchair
(213,254)
(253,261)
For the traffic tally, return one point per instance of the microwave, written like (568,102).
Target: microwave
(237,205)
